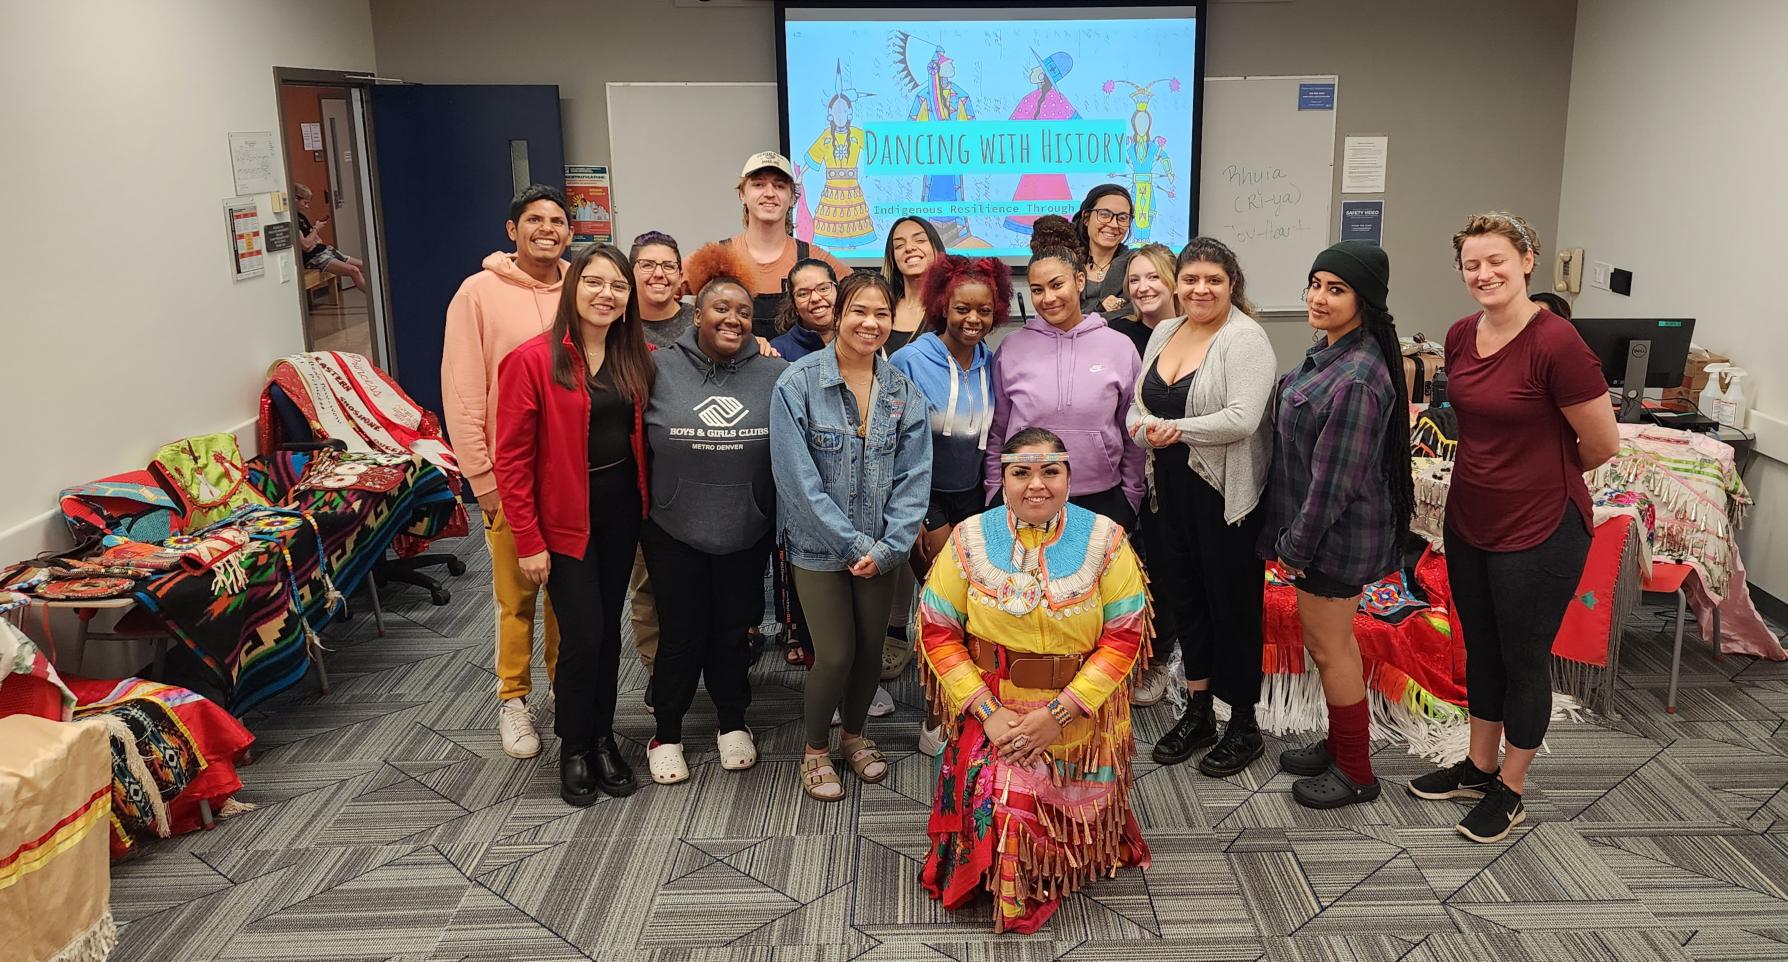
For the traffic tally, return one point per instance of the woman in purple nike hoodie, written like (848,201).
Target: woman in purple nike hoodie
(1072,374)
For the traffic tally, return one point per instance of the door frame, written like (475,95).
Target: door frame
(356,84)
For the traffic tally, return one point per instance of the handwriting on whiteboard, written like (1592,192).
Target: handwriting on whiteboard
(1262,203)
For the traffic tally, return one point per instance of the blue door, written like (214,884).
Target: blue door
(449,160)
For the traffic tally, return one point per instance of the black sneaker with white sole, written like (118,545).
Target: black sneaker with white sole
(1463,780)
(1491,819)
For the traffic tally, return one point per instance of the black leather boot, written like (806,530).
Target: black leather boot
(613,775)
(1240,745)
(1196,729)
(577,778)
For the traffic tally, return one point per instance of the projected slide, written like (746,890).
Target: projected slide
(981,126)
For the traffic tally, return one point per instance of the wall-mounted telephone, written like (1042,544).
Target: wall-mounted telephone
(1567,274)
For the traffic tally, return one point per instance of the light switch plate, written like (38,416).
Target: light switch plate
(1598,274)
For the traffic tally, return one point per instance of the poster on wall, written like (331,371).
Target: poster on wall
(248,255)
(592,211)
(254,162)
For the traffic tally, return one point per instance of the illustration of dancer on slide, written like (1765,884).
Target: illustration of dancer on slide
(842,218)
(936,99)
(1145,154)
(1044,103)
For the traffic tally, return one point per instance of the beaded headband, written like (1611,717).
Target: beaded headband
(1035,457)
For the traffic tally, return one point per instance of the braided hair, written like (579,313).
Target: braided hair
(1395,458)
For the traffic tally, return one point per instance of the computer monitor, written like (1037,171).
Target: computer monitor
(1637,353)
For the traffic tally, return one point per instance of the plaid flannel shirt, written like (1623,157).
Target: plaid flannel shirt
(1331,509)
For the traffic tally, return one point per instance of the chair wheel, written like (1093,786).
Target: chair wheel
(440,597)
(455,567)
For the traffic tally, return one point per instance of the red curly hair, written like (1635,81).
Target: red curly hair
(714,262)
(951,271)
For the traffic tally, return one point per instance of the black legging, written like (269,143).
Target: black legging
(1206,579)
(1510,604)
(587,595)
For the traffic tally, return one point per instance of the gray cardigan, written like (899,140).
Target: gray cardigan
(1227,423)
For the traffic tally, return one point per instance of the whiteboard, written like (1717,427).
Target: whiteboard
(1266,182)
(674,154)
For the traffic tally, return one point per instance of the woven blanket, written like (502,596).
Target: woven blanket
(172,749)
(250,629)
(344,397)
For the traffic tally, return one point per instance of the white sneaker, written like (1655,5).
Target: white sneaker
(931,740)
(882,705)
(517,728)
(1153,686)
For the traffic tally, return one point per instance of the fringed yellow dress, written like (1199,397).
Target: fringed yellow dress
(1065,602)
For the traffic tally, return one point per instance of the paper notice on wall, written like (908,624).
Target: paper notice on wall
(1363,220)
(254,160)
(313,136)
(592,209)
(248,254)
(1363,164)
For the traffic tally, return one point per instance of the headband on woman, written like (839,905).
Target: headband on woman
(1035,457)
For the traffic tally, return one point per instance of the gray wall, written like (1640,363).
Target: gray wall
(1473,98)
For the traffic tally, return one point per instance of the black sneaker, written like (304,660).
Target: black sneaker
(1240,745)
(1463,780)
(1491,818)
(1196,729)
(1312,759)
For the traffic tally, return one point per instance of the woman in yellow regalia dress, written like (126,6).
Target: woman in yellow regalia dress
(1035,622)
(842,218)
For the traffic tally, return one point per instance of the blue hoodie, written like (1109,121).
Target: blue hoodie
(961,405)
(796,343)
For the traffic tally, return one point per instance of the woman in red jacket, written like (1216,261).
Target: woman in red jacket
(570,463)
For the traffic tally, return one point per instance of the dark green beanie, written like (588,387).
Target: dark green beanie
(1364,266)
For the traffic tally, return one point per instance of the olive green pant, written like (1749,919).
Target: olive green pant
(847,618)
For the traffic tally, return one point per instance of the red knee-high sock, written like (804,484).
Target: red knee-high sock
(1350,740)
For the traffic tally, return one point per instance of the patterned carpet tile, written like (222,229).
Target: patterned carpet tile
(393,827)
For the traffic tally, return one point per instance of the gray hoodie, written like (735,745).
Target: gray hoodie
(708,428)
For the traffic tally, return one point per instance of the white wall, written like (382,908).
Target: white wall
(122,328)
(1674,169)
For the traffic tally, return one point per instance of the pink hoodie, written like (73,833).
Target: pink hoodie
(493,313)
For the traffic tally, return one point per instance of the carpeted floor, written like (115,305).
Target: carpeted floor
(391,826)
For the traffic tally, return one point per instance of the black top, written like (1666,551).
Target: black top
(1165,400)
(900,339)
(1135,330)
(611,423)
(1092,299)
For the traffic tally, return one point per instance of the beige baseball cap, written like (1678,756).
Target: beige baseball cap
(767,160)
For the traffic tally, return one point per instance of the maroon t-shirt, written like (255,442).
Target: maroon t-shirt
(1517,465)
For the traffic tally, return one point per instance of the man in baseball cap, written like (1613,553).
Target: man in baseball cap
(768,160)
(767,194)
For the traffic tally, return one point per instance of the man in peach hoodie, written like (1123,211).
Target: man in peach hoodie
(510,301)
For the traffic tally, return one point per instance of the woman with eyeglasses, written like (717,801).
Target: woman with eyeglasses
(806,321)
(1102,225)
(571,469)
(658,276)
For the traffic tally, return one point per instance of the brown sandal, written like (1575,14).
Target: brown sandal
(861,753)
(817,773)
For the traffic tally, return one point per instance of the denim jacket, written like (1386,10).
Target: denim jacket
(840,497)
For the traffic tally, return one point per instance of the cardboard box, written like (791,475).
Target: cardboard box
(1694,376)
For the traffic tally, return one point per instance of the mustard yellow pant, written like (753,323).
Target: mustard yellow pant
(515,613)
(643,612)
